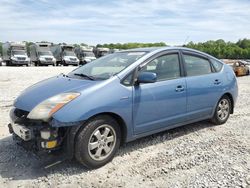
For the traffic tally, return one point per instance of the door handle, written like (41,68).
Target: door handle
(217,82)
(179,88)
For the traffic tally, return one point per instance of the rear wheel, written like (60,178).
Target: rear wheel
(97,143)
(222,111)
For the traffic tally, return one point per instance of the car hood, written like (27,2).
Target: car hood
(43,90)
(21,56)
(67,56)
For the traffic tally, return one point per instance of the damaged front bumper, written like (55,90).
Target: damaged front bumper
(36,135)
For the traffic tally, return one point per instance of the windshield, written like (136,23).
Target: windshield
(18,52)
(69,53)
(45,53)
(107,66)
(88,54)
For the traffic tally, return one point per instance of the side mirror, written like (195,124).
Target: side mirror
(147,77)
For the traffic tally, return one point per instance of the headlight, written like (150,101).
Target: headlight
(41,58)
(14,58)
(47,108)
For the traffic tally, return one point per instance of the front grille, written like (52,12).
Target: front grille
(21,58)
(72,59)
(48,59)
(20,113)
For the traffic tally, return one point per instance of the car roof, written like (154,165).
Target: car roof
(159,49)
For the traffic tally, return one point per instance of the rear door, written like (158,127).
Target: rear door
(204,85)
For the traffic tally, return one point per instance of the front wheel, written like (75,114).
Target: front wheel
(222,111)
(97,143)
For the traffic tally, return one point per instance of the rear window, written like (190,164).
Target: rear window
(196,65)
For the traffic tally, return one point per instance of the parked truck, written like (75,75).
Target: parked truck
(99,51)
(15,53)
(64,54)
(85,54)
(1,60)
(40,54)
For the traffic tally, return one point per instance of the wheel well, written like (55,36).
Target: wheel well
(232,101)
(120,121)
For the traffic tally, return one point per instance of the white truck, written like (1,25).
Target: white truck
(100,51)
(85,54)
(15,53)
(64,54)
(41,54)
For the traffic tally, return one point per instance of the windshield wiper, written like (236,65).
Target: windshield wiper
(84,76)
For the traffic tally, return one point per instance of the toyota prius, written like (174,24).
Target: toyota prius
(88,113)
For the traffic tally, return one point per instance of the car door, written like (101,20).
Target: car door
(204,85)
(163,103)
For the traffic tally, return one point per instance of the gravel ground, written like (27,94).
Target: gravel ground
(196,155)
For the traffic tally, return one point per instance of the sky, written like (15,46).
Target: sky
(174,22)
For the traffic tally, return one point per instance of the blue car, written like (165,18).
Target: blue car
(88,113)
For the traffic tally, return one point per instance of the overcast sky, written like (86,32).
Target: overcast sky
(108,21)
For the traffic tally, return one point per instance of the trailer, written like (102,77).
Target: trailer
(15,53)
(64,54)
(40,54)
(85,54)
(99,51)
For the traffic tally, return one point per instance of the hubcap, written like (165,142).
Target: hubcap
(102,142)
(223,109)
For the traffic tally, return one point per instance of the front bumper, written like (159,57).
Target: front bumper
(36,135)
(47,62)
(72,62)
(19,62)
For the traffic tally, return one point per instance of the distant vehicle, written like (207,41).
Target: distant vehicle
(118,98)
(99,52)
(247,62)
(85,54)
(240,68)
(41,54)
(113,50)
(15,53)
(1,61)
(64,54)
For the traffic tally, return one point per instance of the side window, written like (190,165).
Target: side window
(196,65)
(128,80)
(166,67)
(217,65)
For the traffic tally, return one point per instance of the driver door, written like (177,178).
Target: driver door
(163,103)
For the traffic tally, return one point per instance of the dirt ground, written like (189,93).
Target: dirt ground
(196,155)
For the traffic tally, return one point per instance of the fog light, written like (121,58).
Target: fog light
(49,144)
(45,134)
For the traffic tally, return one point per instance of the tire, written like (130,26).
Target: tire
(104,148)
(64,63)
(222,111)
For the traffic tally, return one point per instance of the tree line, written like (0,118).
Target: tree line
(218,48)
(224,50)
